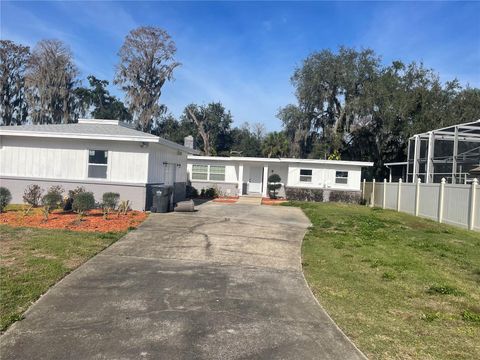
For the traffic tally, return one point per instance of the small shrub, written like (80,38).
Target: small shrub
(110,202)
(68,203)
(5,198)
(52,200)
(273,185)
(82,202)
(444,290)
(211,192)
(124,207)
(33,195)
(191,192)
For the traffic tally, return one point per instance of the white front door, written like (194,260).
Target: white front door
(255,180)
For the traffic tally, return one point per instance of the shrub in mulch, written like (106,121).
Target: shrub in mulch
(93,220)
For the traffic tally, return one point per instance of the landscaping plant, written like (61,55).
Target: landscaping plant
(110,202)
(52,200)
(123,207)
(5,198)
(67,206)
(33,195)
(273,185)
(82,202)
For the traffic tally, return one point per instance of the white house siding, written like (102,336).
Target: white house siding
(159,155)
(68,159)
(323,176)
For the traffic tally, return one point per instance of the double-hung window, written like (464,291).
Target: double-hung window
(200,172)
(97,164)
(217,173)
(341,177)
(306,175)
(208,172)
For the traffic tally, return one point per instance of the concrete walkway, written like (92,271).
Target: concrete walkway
(222,283)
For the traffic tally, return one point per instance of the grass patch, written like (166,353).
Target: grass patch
(32,260)
(395,283)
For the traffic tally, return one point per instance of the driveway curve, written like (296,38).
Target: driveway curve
(224,282)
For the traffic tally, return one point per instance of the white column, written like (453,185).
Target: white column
(399,194)
(372,197)
(473,191)
(440,200)
(417,197)
(240,179)
(363,189)
(265,181)
(430,155)
(384,200)
(416,155)
(455,155)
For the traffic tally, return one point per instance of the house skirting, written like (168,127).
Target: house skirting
(135,193)
(323,195)
(225,188)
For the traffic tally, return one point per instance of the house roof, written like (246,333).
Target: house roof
(280,160)
(92,129)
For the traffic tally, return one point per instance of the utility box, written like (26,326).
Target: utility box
(162,198)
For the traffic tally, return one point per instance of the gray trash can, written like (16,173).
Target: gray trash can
(162,196)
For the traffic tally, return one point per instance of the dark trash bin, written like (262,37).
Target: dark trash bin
(162,198)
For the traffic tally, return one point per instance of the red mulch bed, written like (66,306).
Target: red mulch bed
(93,221)
(226,199)
(268,201)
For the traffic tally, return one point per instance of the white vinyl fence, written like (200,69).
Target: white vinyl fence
(452,204)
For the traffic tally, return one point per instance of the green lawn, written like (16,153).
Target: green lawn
(32,260)
(400,287)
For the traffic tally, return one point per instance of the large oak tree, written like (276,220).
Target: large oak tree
(146,63)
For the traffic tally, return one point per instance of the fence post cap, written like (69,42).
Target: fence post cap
(475,181)
(373,180)
(399,180)
(443,181)
(419,180)
(385,180)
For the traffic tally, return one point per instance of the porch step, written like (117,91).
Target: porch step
(252,200)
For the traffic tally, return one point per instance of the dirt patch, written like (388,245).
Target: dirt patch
(268,201)
(93,221)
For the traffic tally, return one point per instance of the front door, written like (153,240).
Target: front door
(255,180)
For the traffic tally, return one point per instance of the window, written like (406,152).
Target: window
(208,172)
(217,173)
(200,172)
(97,164)
(341,177)
(305,175)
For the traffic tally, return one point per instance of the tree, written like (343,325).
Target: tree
(212,123)
(98,102)
(50,80)
(327,86)
(168,127)
(13,62)
(275,145)
(146,63)
(273,185)
(298,129)
(245,142)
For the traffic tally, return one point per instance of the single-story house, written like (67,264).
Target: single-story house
(100,155)
(237,176)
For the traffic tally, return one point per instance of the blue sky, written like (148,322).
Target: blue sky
(243,53)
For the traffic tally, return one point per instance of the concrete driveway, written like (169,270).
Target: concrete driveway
(222,283)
